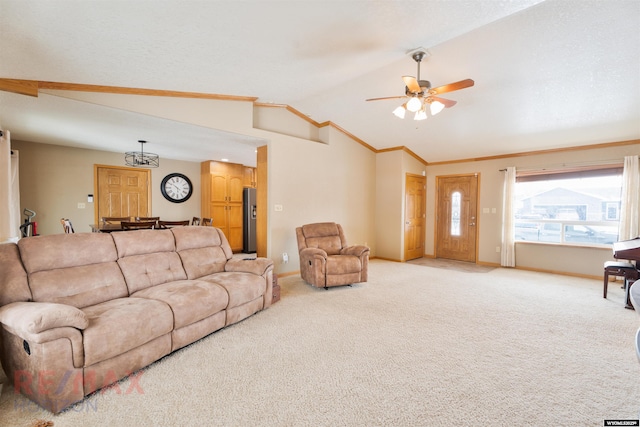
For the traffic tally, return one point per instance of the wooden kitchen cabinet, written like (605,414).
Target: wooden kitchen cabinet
(250,177)
(222,185)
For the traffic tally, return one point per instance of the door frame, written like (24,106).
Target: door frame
(437,206)
(96,195)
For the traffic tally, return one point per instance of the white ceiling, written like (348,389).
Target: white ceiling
(548,74)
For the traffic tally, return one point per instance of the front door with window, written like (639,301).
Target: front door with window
(456,222)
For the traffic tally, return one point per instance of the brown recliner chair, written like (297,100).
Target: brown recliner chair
(326,259)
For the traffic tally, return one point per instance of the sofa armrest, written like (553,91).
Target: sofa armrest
(308,253)
(28,319)
(357,250)
(258,266)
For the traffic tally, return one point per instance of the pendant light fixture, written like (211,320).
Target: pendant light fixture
(140,159)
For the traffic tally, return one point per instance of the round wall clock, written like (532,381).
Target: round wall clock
(176,188)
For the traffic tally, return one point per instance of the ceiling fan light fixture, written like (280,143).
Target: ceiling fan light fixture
(414,104)
(400,112)
(436,107)
(421,114)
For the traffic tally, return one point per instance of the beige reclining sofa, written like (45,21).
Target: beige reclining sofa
(80,311)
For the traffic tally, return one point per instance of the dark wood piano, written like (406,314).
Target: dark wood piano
(628,250)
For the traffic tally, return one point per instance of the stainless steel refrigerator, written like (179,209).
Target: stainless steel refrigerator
(249,220)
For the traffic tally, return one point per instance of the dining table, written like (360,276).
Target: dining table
(105,227)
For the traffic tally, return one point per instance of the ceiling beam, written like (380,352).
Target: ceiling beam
(31,87)
(23,87)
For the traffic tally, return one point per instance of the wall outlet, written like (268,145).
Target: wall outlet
(285,258)
(277,208)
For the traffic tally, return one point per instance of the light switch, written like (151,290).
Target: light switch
(485,210)
(81,205)
(277,208)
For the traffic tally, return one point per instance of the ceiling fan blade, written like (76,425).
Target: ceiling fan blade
(388,97)
(412,84)
(462,84)
(446,102)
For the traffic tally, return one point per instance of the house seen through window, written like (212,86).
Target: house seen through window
(580,207)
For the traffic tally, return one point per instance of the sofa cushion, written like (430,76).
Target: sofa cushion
(12,276)
(140,242)
(241,287)
(143,271)
(75,269)
(79,286)
(203,250)
(325,236)
(190,300)
(122,324)
(201,237)
(343,264)
(66,250)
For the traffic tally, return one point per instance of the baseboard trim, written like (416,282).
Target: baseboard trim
(561,273)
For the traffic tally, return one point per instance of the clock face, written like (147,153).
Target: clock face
(176,188)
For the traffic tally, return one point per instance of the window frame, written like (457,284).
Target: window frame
(530,226)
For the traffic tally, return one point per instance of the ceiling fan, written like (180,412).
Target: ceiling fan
(420,93)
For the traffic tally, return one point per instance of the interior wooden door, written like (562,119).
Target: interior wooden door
(414,216)
(456,217)
(122,191)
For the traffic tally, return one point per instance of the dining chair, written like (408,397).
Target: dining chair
(115,219)
(66,226)
(207,222)
(148,218)
(195,221)
(138,225)
(169,224)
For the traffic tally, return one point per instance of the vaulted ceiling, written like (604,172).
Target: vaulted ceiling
(548,74)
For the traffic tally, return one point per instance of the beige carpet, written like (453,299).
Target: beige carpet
(415,346)
(451,264)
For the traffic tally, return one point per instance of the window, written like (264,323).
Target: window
(577,207)
(455,213)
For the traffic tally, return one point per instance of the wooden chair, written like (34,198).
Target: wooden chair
(148,218)
(195,221)
(208,222)
(115,219)
(169,224)
(66,226)
(138,225)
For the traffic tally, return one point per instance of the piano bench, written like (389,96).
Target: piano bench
(619,268)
